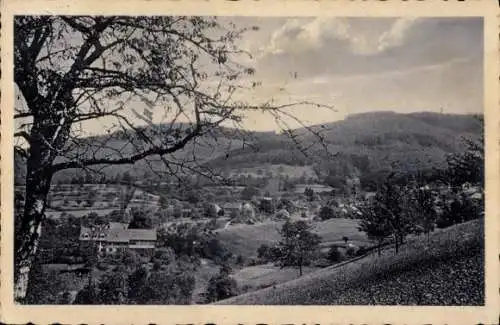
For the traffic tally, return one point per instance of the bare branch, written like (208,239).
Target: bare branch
(23,115)
(23,134)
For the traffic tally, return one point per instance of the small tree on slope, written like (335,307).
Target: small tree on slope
(298,245)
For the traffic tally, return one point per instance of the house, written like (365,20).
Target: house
(231,207)
(116,238)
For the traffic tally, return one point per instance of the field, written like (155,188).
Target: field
(447,269)
(244,239)
(261,276)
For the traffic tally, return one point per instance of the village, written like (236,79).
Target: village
(113,223)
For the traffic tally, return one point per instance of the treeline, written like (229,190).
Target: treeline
(415,205)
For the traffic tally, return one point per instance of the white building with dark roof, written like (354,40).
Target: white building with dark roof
(116,237)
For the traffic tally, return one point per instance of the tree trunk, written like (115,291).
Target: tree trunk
(38,178)
(379,248)
(300,269)
(28,238)
(396,241)
(49,133)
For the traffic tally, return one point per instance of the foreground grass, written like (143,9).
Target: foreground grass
(261,276)
(446,270)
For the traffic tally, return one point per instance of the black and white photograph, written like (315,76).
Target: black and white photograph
(248,160)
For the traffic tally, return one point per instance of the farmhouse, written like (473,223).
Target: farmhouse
(116,237)
(231,207)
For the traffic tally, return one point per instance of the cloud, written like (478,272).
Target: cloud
(300,35)
(390,74)
(396,34)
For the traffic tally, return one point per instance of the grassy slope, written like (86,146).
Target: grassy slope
(447,270)
(261,276)
(245,239)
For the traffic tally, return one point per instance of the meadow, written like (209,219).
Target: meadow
(244,240)
(445,269)
(261,276)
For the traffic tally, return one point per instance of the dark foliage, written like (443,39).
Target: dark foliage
(334,255)
(221,286)
(140,220)
(87,296)
(326,213)
(195,240)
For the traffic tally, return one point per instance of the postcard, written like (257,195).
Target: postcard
(237,162)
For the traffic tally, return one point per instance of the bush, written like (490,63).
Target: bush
(262,251)
(240,260)
(87,296)
(460,209)
(266,253)
(102,267)
(321,261)
(350,251)
(245,289)
(252,262)
(131,258)
(221,287)
(334,255)
(164,255)
(361,251)
(326,213)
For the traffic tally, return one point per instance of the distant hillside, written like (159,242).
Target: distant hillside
(434,272)
(359,144)
(366,142)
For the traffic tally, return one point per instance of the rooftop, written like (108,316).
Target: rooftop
(116,232)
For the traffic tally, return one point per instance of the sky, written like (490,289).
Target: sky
(358,65)
(370,64)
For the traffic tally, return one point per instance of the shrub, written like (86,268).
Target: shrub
(350,251)
(113,287)
(164,255)
(334,255)
(221,286)
(326,213)
(361,251)
(87,296)
(460,209)
(245,289)
(102,267)
(263,251)
(266,253)
(167,287)
(240,260)
(252,262)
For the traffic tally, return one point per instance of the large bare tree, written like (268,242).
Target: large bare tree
(73,69)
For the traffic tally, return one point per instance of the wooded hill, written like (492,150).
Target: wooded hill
(360,144)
